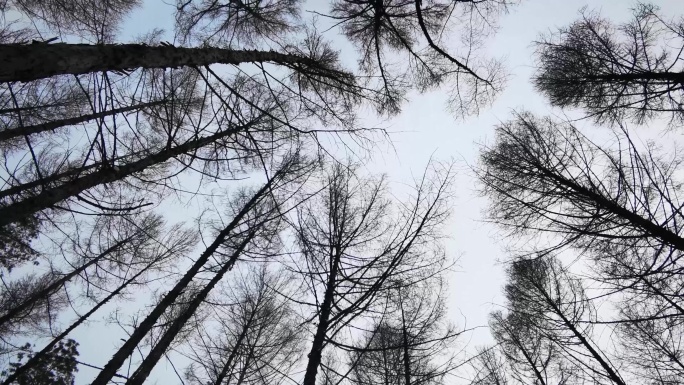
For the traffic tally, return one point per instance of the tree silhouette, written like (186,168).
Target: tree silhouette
(56,368)
(352,250)
(615,72)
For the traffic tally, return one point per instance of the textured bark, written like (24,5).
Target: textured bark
(49,126)
(146,325)
(26,62)
(48,198)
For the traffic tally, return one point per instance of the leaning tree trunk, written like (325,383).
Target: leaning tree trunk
(27,62)
(167,338)
(234,352)
(45,181)
(610,372)
(148,323)
(404,335)
(55,124)
(49,197)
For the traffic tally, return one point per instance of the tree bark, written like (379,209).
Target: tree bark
(47,198)
(27,62)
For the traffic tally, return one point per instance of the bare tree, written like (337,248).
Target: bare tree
(57,368)
(412,343)
(545,299)
(256,338)
(352,249)
(97,21)
(489,368)
(254,216)
(556,190)
(115,258)
(651,347)
(387,31)
(620,206)
(630,71)
(236,23)
(528,354)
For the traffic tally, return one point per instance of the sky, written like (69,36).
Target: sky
(425,129)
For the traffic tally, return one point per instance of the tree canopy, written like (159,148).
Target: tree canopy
(204,194)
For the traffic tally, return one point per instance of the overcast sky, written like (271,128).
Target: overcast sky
(426,129)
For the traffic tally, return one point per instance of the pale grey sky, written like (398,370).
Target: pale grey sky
(425,129)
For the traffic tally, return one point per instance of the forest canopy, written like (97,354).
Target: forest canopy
(202,203)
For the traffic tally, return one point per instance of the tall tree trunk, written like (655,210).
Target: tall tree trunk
(610,373)
(55,177)
(662,295)
(146,325)
(52,125)
(170,334)
(47,198)
(636,77)
(526,354)
(248,359)
(316,353)
(26,62)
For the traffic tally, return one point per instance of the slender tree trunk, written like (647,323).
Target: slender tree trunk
(46,292)
(636,220)
(167,338)
(594,353)
(33,361)
(238,343)
(24,187)
(316,353)
(527,356)
(29,108)
(47,198)
(662,295)
(404,334)
(146,325)
(49,126)
(26,62)
(248,359)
